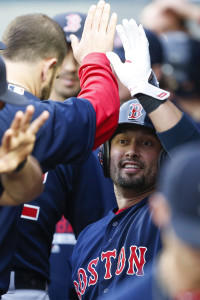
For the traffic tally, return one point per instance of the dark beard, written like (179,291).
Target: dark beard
(140,184)
(132,184)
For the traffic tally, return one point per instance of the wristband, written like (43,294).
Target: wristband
(20,166)
(149,103)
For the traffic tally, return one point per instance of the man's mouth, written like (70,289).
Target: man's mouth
(69,81)
(131,166)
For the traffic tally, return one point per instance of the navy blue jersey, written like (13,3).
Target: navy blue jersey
(77,125)
(74,128)
(113,248)
(8,222)
(121,246)
(9,217)
(80,192)
(55,142)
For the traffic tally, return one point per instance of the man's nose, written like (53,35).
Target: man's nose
(132,151)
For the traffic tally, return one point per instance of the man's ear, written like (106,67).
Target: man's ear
(159,209)
(48,64)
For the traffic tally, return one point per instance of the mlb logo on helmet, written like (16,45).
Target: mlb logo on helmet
(135,111)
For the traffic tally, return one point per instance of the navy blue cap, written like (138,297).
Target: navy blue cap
(155,47)
(71,23)
(182,63)
(2,46)
(180,184)
(132,112)
(7,95)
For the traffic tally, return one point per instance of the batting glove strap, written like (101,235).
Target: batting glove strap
(147,89)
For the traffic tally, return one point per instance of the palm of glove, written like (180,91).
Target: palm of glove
(137,67)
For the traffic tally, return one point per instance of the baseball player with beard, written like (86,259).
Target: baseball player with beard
(121,245)
(57,141)
(88,184)
(176,271)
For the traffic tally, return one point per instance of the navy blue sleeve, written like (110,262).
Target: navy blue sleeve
(64,138)
(183,132)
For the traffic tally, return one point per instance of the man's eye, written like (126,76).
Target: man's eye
(147,143)
(122,141)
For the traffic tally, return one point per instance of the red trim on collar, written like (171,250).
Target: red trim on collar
(119,211)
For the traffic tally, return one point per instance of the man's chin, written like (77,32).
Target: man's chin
(131,181)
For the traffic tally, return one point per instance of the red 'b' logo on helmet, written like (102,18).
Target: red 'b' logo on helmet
(135,111)
(73,23)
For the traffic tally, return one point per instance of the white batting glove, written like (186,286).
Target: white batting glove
(136,70)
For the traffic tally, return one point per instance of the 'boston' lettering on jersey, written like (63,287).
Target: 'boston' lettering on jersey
(132,265)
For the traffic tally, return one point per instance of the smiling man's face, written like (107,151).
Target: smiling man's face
(67,84)
(134,158)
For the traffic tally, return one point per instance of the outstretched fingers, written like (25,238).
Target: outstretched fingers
(112,26)
(97,19)
(124,38)
(6,141)
(104,18)
(89,20)
(16,123)
(133,33)
(27,117)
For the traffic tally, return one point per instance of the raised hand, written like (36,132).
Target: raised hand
(135,72)
(98,33)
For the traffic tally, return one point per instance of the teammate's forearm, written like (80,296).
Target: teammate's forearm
(22,186)
(183,132)
(165,116)
(99,86)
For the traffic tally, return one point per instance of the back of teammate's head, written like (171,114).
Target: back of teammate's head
(71,23)
(180,184)
(32,37)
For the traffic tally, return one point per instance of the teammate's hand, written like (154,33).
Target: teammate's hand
(18,141)
(135,72)
(98,33)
